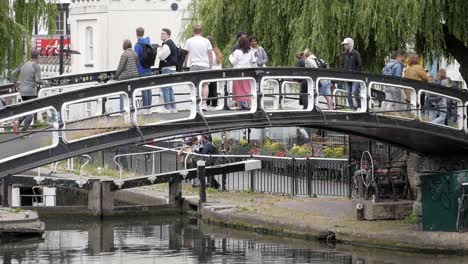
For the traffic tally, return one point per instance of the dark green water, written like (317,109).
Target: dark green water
(181,240)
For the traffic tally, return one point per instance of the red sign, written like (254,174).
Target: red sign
(50,47)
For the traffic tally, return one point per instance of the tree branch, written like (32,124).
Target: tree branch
(457,49)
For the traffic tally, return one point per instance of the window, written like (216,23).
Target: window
(60,23)
(62,27)
(89,45)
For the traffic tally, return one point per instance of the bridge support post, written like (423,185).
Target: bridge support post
(201,178)
(94,198)
(107,201)
(6,190)
(100,200)
(175,192)
(253,174)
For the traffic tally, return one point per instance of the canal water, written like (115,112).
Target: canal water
(183,240)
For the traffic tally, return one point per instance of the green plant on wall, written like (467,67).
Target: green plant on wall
(334,152)
(243,143)
(300,150)
(273,146)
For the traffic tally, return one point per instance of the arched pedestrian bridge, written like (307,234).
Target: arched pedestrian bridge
(79,115)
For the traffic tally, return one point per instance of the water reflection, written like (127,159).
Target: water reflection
(179,240)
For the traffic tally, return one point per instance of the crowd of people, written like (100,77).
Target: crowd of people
(438,109)
(204,54)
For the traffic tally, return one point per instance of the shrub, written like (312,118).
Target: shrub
(301,150)
(273,146)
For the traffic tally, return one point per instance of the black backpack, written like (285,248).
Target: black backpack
(181,55)
(321,64)
(149,55)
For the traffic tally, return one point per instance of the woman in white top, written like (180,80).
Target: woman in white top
(212,101)
(243,57)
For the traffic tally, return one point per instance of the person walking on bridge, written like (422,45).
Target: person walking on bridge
(168,59)
(200,57)
(351,60)
(29,77)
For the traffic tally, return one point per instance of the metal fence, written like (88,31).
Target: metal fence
(279,175)
(462,221)
(293,176)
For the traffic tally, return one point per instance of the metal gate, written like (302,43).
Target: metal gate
(462,219)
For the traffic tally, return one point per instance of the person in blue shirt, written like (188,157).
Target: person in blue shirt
(207,146)
(143,71)
(394,68)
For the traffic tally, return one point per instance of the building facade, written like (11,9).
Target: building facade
(98,28)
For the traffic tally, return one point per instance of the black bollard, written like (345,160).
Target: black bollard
(201,178)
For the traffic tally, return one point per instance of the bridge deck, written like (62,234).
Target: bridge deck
(277,99)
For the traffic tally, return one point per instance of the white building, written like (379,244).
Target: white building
(98,28)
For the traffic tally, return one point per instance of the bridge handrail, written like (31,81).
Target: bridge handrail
(357,121)
(73,78)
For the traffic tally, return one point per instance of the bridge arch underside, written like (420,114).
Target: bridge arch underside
(410,132)
(412,136)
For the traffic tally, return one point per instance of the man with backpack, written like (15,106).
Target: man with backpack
(168,60)
(393,68)
(146,57)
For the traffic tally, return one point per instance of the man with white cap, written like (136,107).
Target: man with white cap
(351,60)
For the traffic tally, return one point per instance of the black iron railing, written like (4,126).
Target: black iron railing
(279,175)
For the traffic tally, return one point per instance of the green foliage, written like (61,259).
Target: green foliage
(334,152)
(412,219)
(273,146)
(378,26)
(216,142)
(301,150)
(17,19)
(243,143)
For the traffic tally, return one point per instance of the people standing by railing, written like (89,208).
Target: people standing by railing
(440,104)
(393,68)
(168,59)
(259,51)
(127,68)
(238,36)
(414,71)
(243,57)
(199,58)
(311,61)
(217,65)
(142,49)
(351,60)
(29,77)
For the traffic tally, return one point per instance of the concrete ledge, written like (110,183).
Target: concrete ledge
(386,210)
(415,241)
(22,224)
(145,210)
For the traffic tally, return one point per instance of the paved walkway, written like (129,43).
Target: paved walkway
(314,217)
(14,222)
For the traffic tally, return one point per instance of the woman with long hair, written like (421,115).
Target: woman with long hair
(242,57)
(217,65)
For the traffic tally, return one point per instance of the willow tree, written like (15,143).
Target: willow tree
(17,20)
(435,28)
